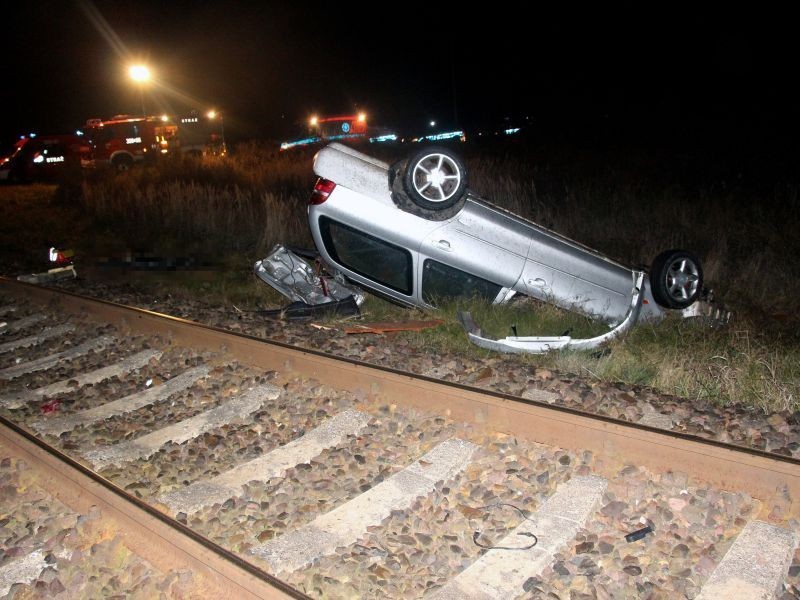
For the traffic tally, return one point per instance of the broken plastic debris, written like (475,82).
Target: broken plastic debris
(300,311)
(638,534)
(708,311)
(148,383)
(298,280)
(51,275)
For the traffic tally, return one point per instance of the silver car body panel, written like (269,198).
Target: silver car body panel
(481,239)
(543,344)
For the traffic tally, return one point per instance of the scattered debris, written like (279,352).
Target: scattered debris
(300,311)
(51,275)
(480,510)
(708,310)
(301,282)
(385,326)
(638,534)
(50,406)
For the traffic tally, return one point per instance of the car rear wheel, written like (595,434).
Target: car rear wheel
(435,179)
(123,162)
(676,279)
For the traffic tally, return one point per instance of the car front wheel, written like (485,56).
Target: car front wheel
(676,279)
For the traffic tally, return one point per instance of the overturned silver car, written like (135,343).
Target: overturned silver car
(414,233)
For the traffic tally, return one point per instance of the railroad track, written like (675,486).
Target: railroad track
(214,464)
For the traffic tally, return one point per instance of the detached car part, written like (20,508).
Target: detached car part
(543,344)
(296,279)
(300,311)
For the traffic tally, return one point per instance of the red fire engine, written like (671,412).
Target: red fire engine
(123,140)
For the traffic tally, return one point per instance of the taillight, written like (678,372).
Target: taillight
(322,190)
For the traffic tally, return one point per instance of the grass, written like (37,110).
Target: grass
(629,206)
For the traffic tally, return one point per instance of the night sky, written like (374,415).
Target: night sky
(675,74)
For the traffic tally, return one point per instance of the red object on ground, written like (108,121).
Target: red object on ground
(50,406)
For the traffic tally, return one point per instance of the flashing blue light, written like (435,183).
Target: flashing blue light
(303,142)
(344,136)
(389,137)
(512,131)
(346,127)
(32,135)
(78,132)
(444,136)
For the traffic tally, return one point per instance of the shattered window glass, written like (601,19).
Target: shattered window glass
(442,281)
(385,263)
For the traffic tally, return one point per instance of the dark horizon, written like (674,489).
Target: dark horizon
(698,77)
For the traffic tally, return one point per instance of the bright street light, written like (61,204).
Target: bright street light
(212,114)
(141,75)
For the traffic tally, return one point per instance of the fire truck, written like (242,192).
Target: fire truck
(124,140)
(200,135)
(328,129)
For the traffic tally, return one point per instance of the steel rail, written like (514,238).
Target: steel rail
(162,541)
(771,478)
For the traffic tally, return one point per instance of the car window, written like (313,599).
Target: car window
(440,281)
(384,263)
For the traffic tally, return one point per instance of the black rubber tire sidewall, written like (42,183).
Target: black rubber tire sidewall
(122,163)
(404,203)
(658,278)
(419,200)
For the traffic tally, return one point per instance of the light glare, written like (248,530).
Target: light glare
(139,73)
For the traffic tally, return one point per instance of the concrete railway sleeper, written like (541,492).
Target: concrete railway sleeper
(310,475)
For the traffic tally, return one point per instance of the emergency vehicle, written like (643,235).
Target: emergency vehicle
(42,157)
(124,140)
(329,129)
(200,135)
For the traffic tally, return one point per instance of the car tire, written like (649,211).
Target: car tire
(123,162)
(676,279)
(435,179)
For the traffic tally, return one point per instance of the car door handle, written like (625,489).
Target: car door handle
(443,245)
(539,282)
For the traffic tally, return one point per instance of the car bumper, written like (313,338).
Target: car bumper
(543,344)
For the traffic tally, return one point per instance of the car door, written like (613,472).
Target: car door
(480,242)
(577,278)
